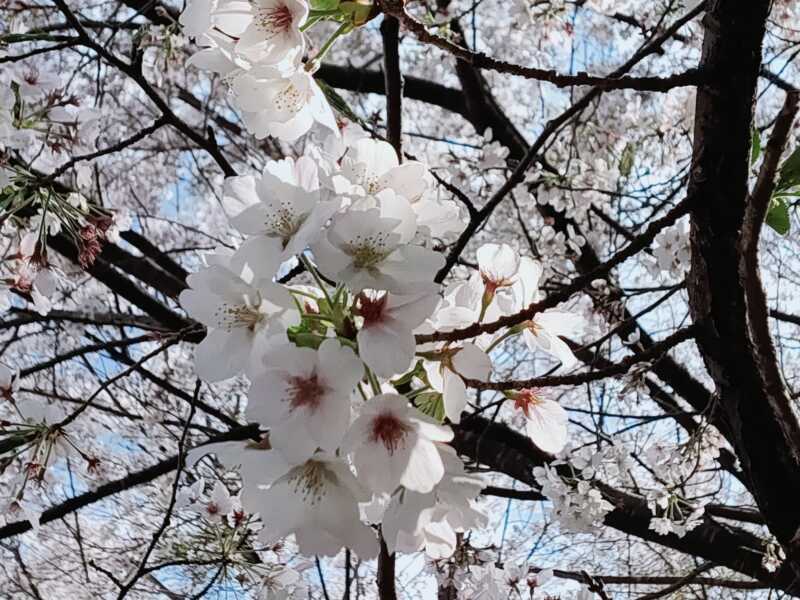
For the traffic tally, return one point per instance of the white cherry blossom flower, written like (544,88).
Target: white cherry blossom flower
(274,31)
(243,310)
(545,420)
(386,338)
(303,395)
(280,210)
(446,376)
(498,264)
(413,521)
(545,330)
(214,509)
(281,104)
(370,249)
(391,443)
(34,275)
(371,166)
(317,501)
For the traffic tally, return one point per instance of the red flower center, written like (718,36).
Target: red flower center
(389,431)
(305,392)
(273,20)
(371,308)
(525,399)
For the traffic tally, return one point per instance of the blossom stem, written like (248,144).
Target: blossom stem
(311,269)
(510,333)
(373,381)
(312,20)
(343,29)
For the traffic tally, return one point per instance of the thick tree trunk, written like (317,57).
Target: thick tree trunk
(725,293)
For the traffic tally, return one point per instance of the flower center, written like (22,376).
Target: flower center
(389,431)
(305,392)
(290,99)
(371,184)
(240,315)
(273,20)
(284,223)
(372,308)
(311,480)
(525,399)
(367,252)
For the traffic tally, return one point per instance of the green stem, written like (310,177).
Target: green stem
(312,20)
(373,381)
(311,269)
(343,29)
(503,337)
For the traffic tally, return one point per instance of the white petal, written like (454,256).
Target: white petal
(223,354)
(455,396)
(386,350)
(547,426)
(472,362)
(424,469)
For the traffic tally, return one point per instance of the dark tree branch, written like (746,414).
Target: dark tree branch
(390,32)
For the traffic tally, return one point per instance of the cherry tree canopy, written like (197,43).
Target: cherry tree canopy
(457,299)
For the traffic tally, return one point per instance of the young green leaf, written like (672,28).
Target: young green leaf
(778,215)
(789,175)
(337,102)
(324,5)
(626,160)
(431,404)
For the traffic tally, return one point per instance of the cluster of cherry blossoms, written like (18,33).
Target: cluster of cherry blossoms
(260,50)
(355,411)
(36,116)
(328,363)
(356,414)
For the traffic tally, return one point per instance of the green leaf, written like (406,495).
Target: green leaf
(307,340)
(337,102)
(324,4)
(789,175)
(431,404)
(778,215)
(626,160)
(755,146)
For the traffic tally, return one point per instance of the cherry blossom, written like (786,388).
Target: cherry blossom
(392,443)
(213,509)
(545,420)
(280,103)
(274,31)
(280,210)
(244,311)
(447,376)
(371,248)
(386,337)
(317,501)
(545,329)
(413,521)
(303,395)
